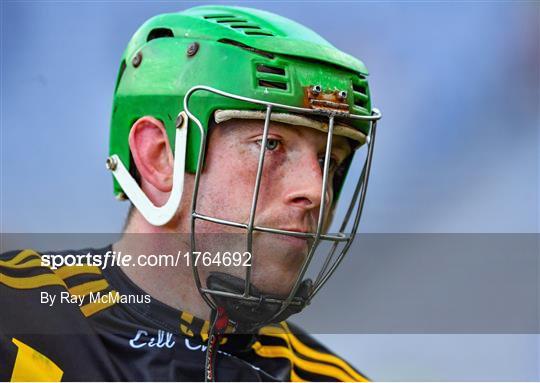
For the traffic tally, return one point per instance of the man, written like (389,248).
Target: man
(232,133)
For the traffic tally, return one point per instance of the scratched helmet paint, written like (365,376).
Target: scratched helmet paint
(226,62)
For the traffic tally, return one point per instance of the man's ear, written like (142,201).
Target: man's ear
(152,153)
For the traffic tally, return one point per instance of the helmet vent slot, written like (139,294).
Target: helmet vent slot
(359,88)
(273,84)
(270,69)
(245,27)
(360,92)
(219,16)
(258,33)
(247,47)
(232,21)
(221,21)
(272,76)
(158,33)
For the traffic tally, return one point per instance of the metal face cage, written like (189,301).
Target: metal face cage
(352,214)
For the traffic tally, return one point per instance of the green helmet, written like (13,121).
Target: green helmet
(243,51)
(226,62)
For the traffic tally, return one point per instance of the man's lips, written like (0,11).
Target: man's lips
(299,242)
(296,230)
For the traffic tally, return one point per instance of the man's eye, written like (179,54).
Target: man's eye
(271,143)
(333,163)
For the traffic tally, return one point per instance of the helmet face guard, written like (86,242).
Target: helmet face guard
(249,308)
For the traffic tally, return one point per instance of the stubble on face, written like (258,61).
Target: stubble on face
(226,192)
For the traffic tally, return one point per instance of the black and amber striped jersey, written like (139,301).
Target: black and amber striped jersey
(76,337)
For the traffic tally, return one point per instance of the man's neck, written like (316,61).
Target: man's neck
(172,284)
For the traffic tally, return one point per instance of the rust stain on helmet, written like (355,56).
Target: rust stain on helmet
(317,98)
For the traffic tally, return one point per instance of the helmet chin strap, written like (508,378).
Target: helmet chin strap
(247,315)
(156,215)
(219,321)
(250,315)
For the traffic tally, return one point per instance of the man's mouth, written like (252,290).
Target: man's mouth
(300,243)
(296,230)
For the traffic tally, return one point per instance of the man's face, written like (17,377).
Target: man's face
(289,195)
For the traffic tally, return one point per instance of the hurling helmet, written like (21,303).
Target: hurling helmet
(221,63)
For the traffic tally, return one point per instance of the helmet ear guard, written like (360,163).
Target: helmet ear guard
(156,215)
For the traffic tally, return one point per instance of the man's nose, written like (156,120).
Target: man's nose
(304,185)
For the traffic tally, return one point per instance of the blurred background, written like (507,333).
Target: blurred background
(457,149)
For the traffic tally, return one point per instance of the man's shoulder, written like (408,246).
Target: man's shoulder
(29,280)
(45,334)
(310,360)
(23,270)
